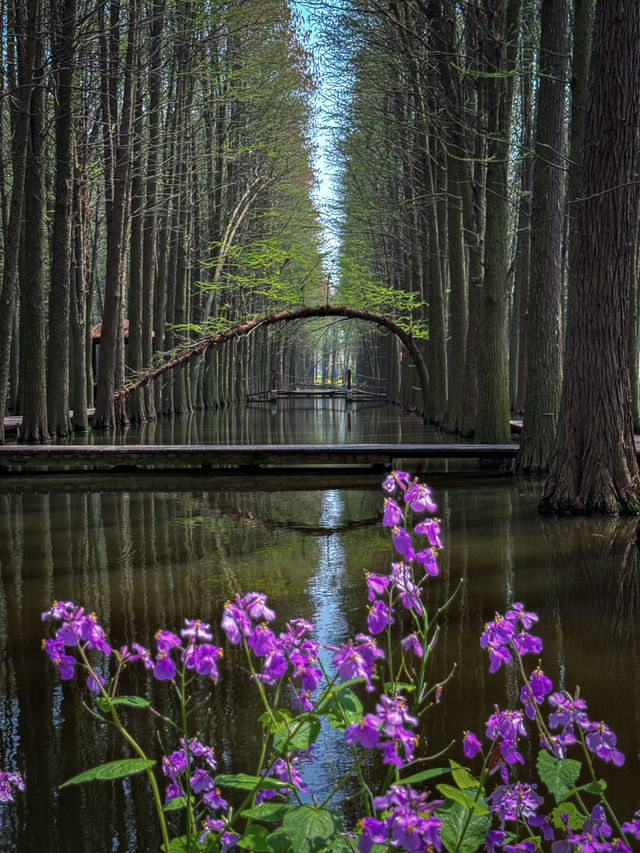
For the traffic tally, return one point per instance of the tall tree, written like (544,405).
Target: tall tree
(594,466)
(543,328)
(24,33)
(501,41)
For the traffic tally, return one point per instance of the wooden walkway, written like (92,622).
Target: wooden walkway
(16,458)
(351,395)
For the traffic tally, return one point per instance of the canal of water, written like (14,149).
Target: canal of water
(145,554)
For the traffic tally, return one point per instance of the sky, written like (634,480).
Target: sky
(324,162)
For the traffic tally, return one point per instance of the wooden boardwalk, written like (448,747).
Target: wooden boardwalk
(16,458)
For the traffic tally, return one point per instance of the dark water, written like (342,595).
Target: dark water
(301,421)
(146,557)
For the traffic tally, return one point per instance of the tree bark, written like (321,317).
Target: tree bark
(594,466)
(543,329)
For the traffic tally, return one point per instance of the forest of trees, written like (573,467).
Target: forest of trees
(156,187)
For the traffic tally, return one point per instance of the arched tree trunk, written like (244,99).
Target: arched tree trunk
(594,467)
(242,329)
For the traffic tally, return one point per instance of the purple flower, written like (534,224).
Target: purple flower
(517,613)
(511,802)
(418,496)
(401,539)
(363,732)
(429,561)
(392,513)
(430,528)
(377,585)
(409,592)
(235,623)
(494,840)
(203,659)
(196,630)
(357,661)
(413,642)
(526,643)
(505,724)
(201,781)
(470,745)
(95,681)
(285,771)
(568,711)
(166,640)
(380,616)
(395,479)
(214,800)
(509,752)
(409,825)
(535,691)
(9,780)
(633,826)
(497,656)
(274,667)
(255,604)
(602,741)
(262,641)
(65,663)
(165,668)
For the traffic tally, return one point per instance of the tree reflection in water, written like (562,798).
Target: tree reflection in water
(146,559)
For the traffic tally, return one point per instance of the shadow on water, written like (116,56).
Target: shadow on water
(147,558)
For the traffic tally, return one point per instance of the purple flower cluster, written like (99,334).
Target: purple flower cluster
(292,650)
(409,824)
(501,636)
(182,771)
(198,654)
(286,770)
(400,584)
(512,802)
(78,628)
(8,781)
(571,712)
(357,660)
(386,730)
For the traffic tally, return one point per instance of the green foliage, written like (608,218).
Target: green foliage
(558,775)
(112,770)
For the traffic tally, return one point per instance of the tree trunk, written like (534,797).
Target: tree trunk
(492,424)
(27,41)
(594,466)
(543,328)
(32,298)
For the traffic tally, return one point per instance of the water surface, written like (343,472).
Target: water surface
(145,556)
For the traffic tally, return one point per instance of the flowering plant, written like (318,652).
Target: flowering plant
(301,696)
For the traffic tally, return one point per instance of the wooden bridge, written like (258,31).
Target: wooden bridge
(20,459)
(348,394)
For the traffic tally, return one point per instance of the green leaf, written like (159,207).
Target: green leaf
(453,833)
(245,782)
(310,829)
(558,775)
(255,838)
(424,775)
(476,807)
(343,709)
(297,735)
(112,770)
(576,818)
(274,720)
(130,701)
(175,804)
(268,812)
(462,777)
(405,686)
(278,841)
